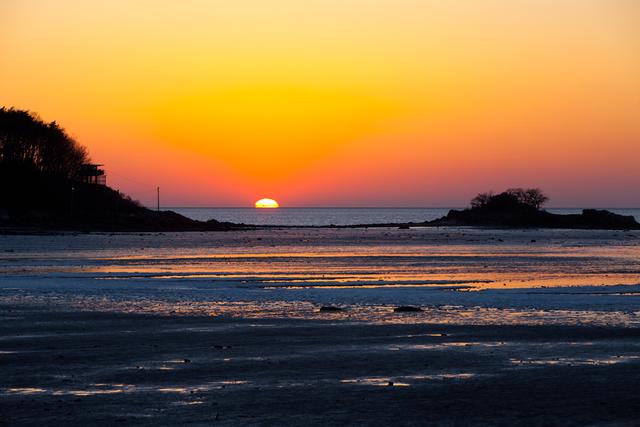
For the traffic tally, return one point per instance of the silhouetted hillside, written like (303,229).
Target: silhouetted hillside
(40,185)
(31,195)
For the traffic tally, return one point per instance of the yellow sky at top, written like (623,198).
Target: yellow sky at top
(337,102)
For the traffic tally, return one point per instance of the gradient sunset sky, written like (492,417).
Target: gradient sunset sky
(338,102)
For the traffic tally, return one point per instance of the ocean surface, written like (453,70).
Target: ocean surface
(336,216)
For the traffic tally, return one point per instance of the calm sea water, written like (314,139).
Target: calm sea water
(337,216)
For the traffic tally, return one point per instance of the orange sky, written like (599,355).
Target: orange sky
(338,102)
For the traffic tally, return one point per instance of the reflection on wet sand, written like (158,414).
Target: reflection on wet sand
(576,361)
(444,314)
(455,275)
(228,328)
(407,380)
(162,369)
(102,389)
(474,266)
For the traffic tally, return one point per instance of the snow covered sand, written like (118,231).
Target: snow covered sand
(529,327)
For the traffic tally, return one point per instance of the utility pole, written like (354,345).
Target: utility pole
(158,193)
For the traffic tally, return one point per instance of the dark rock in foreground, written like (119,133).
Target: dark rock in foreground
(407,309)
(329,309)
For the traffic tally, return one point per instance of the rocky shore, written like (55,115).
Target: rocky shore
(165,221)
(588,219)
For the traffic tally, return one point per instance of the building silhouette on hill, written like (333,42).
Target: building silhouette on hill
(91,173)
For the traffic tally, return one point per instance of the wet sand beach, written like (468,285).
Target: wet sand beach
(524,327)
(86,368)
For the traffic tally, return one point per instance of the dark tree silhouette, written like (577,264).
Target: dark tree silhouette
(26,141)
(41,184)
(518,193)
(481,200)
(535,197)
(40,175)
(511,198)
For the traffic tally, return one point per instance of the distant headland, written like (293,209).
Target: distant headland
(48,183)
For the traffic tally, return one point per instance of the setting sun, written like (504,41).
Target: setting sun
(267,203)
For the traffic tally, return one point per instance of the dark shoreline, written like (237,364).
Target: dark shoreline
(170,221)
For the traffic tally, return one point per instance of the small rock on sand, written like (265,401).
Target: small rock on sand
(329,308)
(406,309)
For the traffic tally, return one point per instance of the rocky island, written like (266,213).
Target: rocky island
(522,208)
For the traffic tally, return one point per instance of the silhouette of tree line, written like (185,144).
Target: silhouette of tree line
(27,142)
(532,198)
(40,171)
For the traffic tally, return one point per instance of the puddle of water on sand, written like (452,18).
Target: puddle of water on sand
(24,390)
(288,384)
(160,366)
(97,389)
(421,335)
(29,336)
(203,387)
(407,380)
(110,385)
(173,390)
(457,376)
(441,345)
(575,361)
(188,403)
(87,393)
(375,382)
(367,286)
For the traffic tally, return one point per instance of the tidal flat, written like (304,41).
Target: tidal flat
(515,327)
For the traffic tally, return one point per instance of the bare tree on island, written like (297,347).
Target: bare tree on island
(481,200)
(535,197)
(531,197)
